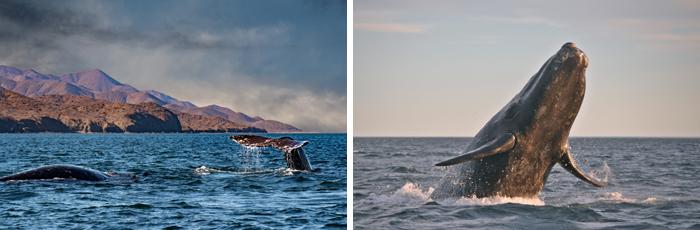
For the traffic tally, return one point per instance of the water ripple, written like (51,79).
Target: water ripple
(185,181)
(653,185)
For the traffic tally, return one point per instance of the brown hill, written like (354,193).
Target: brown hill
(97,84)
(237,117)
(65,113)
(198,123)
(275,125)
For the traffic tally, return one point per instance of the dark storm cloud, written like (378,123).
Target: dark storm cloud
(45,22)
(22,21)
(289,45)
(29,15)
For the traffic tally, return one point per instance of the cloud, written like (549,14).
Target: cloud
(670,37)
(390,27)
(308,110)
(522,19)
(673,30)
(219,82)
(44,25)
(689,4)
(291,57)
(654,24)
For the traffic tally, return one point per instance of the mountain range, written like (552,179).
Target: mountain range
(96,84)
(69,113)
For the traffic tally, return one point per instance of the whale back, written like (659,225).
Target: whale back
(58,172)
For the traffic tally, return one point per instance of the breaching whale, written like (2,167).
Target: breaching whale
(512,155)
(61,171)
(293,151)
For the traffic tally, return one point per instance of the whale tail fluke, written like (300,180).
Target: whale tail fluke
(294,153)
(286,144)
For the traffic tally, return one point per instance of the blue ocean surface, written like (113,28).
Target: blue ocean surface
(654,184)
(188,181)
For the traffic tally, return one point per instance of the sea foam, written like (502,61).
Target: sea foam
(411,193)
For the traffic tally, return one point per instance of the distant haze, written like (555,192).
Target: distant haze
(282,60)
(427,69)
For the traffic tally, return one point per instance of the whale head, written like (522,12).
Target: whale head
(548,104)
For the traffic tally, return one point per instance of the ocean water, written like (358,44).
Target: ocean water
(185,181)
(654,184)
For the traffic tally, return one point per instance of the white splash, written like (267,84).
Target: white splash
(649,200)
(414,194)
(534,201)
(617,197)
(204,170)
(251,159)
(288,171)
(602,173)
(408,194)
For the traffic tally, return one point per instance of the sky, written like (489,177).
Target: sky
(282,60)
(425,69)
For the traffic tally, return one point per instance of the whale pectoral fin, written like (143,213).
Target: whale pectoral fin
(503,143)
(568,162)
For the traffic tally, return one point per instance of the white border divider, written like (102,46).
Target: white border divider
(349,112)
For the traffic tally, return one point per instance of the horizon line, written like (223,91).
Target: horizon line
(450,136)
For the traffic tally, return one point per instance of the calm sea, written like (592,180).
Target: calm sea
(654,184)
(185,181)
